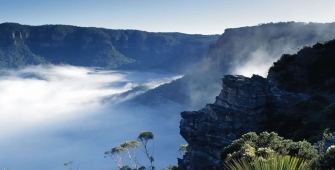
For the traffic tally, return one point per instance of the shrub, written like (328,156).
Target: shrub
(272,162)
(251,145)
(329,158)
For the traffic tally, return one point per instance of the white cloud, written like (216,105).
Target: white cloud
(52,114)
(58,93)
(41,95)
(258,63)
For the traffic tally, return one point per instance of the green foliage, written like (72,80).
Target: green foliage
(182,149)
(130,148)
(72,165)
(283,62)
(116,154)
(171,167)
(306,120)
(251,145)
(326,155)
(272,162)
(118,149)
(17,56)
(313,72)
(145,136)
(111,59)
(329,159)
(125,168)
(130,144)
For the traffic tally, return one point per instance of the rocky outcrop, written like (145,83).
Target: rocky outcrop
(241,107)
(297,99)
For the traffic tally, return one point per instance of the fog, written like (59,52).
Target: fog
(259,61)
(54,114)
(252,50)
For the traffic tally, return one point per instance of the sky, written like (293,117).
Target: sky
(186,16)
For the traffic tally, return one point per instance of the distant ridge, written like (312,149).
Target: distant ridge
(22,45)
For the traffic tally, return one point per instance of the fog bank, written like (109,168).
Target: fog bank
(53,114)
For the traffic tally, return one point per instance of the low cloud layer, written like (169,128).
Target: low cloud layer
(53,114)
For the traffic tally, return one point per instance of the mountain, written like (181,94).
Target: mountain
(296,100)
(245,51)
(22,45)
(261,45)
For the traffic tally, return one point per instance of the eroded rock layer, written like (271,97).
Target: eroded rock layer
(297,100)
(241,107)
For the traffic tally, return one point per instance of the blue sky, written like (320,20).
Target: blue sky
(187,16)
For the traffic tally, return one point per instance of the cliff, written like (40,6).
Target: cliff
(296,100)
(245,50)
(87,46)
(264,44)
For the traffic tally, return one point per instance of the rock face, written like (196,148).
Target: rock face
(297,99)
(241,107)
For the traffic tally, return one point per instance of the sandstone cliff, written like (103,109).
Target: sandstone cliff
(296,100)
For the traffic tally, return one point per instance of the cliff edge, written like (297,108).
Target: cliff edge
(294,83)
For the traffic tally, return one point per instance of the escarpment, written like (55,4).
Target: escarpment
(22,45)
(298,92)
(241,107)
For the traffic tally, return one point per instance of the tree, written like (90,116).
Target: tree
(116,154)
(144,138)
(72,165)
(131,148)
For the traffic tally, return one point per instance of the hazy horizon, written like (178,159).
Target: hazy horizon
(191,17)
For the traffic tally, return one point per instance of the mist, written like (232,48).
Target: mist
(259,61)
(54,114)
(252,50)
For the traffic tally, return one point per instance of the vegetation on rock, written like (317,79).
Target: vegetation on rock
(264,144)
(271,162)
